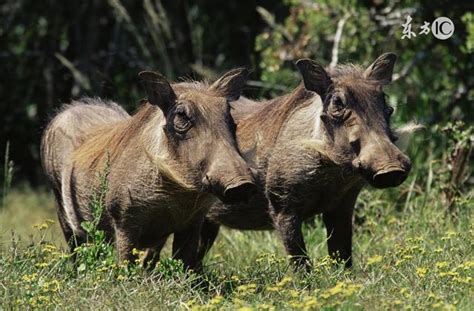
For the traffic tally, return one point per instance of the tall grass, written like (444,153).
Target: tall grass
(408,254)
(7,174)
(157,41)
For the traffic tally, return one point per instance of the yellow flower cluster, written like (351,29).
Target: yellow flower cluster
(40,289)
(247,288)
(414,246)
(421,272)
(374,260)
(342,289)
(45,225)
(455,274)
(269,259)
(449,235)
(280,285)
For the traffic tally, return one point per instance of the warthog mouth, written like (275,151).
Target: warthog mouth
(390,177)
(239,192)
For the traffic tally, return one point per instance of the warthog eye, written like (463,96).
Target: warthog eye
(338,103)
(337,108)
(389,111)
(181,121)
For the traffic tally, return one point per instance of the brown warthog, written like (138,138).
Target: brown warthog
(163,164)
(314,149)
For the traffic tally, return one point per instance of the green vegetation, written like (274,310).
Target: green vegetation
(54,51)
(413,245)
(411,252)
(408,254)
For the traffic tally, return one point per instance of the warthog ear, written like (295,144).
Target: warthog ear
(382,69)
(230,85)
(315,77)
(158,90)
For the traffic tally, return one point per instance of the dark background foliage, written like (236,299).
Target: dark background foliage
(53,51)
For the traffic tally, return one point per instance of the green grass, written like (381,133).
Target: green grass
(408,254)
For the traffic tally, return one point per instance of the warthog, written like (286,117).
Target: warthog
(163,164)
(314,150)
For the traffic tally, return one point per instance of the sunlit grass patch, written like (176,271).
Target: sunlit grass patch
(414,257)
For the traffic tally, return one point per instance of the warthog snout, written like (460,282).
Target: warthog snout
(232,192)
(383,165)
(239,192)
(392,174)
(391,177)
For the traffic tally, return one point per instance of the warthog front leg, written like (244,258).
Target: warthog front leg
(209,231)
(124,244)
(288,225)
(339,231)
(185,246)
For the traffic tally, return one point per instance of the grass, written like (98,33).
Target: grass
(414,257)
(413,249)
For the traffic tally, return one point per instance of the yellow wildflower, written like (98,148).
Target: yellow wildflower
(441,264)
(49,248)
(449,273)
(449,235)
(333,290)
(42,226)
(311,303)
(247,288)
(216,300)
(295,304)
(421,272)
(273,289)
(465,280)
(237,301)
(294,293)
(41,265)
(392,220)
(29,277)
(466,265)
(405,292)
(284,281)
(374,259)
(397,302)
(264,306)
(53,286)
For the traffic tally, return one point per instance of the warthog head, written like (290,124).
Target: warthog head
(199,132)
(356,118)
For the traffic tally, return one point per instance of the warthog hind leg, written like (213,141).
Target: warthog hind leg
(152,254)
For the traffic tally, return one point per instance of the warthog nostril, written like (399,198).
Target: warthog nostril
(239,192)
(389,178)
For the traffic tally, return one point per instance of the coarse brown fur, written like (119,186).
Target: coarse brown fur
(164,163)
(314,150)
